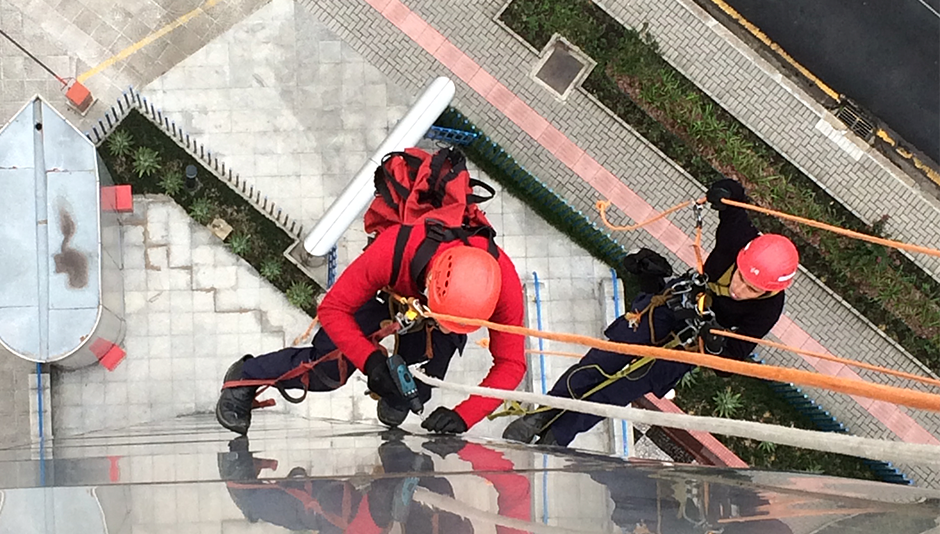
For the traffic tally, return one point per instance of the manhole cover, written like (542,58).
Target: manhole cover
(562,66)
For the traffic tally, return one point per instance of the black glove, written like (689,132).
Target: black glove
(380,378)
(444,446)
(444,421)
(714,344)
(726,188)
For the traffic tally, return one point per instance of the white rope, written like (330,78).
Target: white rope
(873,449)
(449,504)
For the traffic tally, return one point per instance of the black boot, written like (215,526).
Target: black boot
(525,428)
(233,410)
(389,415)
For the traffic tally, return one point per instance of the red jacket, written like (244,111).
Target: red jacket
(371,271)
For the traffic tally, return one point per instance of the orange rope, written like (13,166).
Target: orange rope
(835,229)
(303,337)
(485,343)
(699,263)
(602,206)
(894,395)
(829,357)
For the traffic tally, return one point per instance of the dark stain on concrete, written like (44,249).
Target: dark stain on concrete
(70,261)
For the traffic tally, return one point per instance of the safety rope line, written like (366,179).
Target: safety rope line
(892,394)
(828,357)
(835,229)
(602,206)
(873,449)
(302,338)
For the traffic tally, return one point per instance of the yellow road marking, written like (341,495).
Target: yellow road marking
(756,32)
(883,135)
(130,50)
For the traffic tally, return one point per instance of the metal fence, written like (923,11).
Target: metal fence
(131,99)
(823,420)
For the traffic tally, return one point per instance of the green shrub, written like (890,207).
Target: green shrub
(172,182)
(202,210)
(240,243)
(727,403)
(300,294)
(146,161)
(271,268)
(120,143)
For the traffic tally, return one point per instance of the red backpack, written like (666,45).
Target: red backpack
(414,187)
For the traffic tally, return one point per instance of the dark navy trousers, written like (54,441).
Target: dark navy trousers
(326,376)
(657,377)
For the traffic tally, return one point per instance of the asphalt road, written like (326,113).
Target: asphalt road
(884,54)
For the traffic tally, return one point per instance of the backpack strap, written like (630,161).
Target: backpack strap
(401,240)
(437,184)
(476,199)
(385,179)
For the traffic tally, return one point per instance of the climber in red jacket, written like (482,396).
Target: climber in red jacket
(464,275)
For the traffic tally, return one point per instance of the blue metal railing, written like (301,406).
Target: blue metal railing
(451,135)
(823,420)
(331,267)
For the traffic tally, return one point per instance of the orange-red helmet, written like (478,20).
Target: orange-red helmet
(463,281)
(769,262)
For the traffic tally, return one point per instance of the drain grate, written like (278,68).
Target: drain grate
(854,118)
(562,67)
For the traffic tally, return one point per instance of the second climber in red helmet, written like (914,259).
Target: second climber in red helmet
(746,274)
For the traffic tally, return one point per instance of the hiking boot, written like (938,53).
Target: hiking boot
(525,428)
(233,411)
(547,438)
(389,415)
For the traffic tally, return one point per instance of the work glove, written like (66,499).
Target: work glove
(380,379)
(722,189)
(714,344)
(444,421)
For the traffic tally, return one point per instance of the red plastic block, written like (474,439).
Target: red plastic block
(117,198)
(79,96)
(109,355)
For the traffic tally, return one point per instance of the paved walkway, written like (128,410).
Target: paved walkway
(788,119)
(576,147)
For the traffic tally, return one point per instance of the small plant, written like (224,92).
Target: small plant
(300,294)
(201,210)
(240,244)
(172,182)
(727,403)
(271,268)
(120,143)
(689,379)
(767,447)
(146,161)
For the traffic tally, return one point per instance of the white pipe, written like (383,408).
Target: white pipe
(361,190)
(873,449)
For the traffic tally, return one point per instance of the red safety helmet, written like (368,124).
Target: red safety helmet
(463,281)
(769,262)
